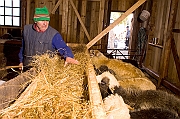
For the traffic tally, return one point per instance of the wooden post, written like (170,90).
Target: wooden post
(83,17)
(101,14)
(122,17)
(28,11)
(64,20)
(176,57)
(167,47)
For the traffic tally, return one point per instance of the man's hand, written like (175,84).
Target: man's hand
(70,60)
(21,66)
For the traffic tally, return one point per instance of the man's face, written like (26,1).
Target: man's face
(42,25)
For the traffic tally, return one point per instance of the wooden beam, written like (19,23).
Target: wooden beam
(64,20)
(98,111)
(176,57)
(101,16)
(83,17)
(172,87)
(28,11)
(56,6)
(80,20)
(122,17)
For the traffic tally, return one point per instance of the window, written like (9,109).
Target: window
(10,11)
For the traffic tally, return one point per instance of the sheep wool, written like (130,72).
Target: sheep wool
(116,108)
(112,80)
(121,69)
(137,83)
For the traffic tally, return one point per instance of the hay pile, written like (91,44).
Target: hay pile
(58,92)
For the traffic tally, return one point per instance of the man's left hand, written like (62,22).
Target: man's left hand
(70,60)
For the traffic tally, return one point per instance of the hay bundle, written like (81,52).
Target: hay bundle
(59,92)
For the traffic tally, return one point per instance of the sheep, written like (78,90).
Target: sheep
(153,113)
(1,82)
(147,99)
(104,87)
(122,69)
(161,104)
(136,83)
(115,107)
(103,68)
(108,77)
(142,83)
(113,104)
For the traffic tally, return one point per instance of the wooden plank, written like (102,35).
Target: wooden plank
(176,57)
(98,111)
(83,17)
(122,17)
(93,19)
(69,24)
(23,96)
(101,16)
(81,22)
(75,21)
(101,22)
(172,87)
(64,20)
(56,6)
(11,90)
(28,11)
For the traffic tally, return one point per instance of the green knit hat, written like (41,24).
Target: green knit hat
(41,14)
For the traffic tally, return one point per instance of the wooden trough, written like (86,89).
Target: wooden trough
(18,88)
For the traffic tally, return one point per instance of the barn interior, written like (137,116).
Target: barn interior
(99,25)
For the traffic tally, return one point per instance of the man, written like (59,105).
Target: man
(40,37)
(127,37)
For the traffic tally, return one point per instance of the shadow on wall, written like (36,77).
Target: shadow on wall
(10,52)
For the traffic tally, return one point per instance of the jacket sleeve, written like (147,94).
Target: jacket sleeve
(59,44)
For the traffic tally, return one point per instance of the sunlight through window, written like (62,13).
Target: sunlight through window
(10,12)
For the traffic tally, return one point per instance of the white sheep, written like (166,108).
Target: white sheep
(116,108)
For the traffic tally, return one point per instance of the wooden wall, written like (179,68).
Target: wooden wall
(122,5)
(159,58)
(78,21)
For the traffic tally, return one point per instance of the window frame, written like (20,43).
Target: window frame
(12,16)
